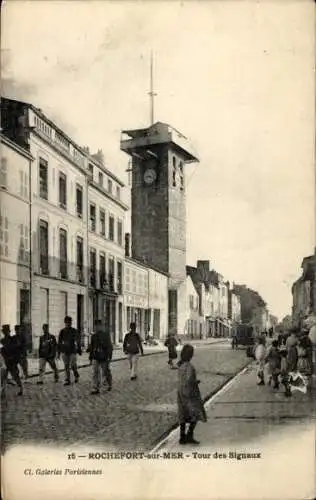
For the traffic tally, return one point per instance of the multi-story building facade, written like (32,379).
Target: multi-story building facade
(213,296)
(234,307)
(146,299)
(106,212)
(193,326)
(15,234)
(71,259)
(304,291)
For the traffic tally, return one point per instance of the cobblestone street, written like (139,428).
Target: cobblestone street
(133,416)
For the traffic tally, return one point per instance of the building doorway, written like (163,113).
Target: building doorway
(120,322)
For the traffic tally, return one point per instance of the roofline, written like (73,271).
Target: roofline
(147,266)
(108,195)
(60,131)
(16,146)
(91,159)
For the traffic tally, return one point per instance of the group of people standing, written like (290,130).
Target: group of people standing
(67,346)
(285,357)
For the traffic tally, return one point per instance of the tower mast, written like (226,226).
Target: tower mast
(151,94)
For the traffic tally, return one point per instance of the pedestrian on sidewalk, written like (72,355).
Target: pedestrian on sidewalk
(21,338)
(171,343)
(273,358)
(132,346)
(11,352)
(47,354)
(100,355)
(305,356)
(190,403)
(291,360)
(260,355)
(69,346)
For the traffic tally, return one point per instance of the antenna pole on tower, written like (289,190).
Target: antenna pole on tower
(151,94)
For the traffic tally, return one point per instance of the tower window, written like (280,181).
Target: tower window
(181,175)
(174,172)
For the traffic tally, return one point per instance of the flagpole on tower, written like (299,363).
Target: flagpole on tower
(152,94)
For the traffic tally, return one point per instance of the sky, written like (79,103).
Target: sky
(236,77)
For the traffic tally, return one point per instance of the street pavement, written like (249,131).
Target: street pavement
(135,415)
(118,354)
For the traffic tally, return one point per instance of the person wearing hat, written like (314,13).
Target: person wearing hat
(11,352)
(132,346)
(69,346)
(190,404)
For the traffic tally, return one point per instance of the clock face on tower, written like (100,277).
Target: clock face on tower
(149,176)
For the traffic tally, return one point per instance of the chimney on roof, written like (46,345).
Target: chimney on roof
(99,156)
(203,265)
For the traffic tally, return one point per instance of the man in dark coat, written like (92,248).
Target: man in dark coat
(100,354)
(132,346)
(11,352)
(69,346)
(47,354)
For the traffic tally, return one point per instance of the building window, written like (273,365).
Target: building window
(118,192)
(79,201)
(43,242)
(4,236)
(63,253)
(4,173)
(93,267)
(181,176)
(92,223)
(174,171)
(111,274)
(91,170)
(102,273)
(101,179)
(79,259)
(62,190)
(43,178)
(24,184)
(24,244)
(191,299)
(111,228)
(134,282)
(110,186)
(127,279)
(102,222)
(119,232)
(119,277)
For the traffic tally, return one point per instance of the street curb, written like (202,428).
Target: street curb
(164,438)
(33,375)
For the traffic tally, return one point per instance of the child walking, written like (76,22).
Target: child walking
(171,343)
(190,404)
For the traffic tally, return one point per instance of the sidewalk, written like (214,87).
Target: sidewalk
(245,418)
(118,355)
